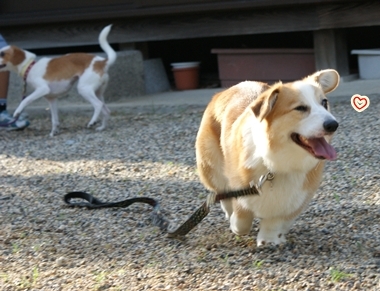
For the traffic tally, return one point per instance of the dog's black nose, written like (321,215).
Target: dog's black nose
(330,125)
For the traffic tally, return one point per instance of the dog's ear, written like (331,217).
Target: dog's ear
(264,104)
(327,79)
(17,55)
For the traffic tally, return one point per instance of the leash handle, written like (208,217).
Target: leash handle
(93,203)
(9,123)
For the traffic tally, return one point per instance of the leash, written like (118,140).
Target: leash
(9,123)
(157,217)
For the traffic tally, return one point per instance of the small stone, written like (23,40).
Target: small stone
(61,261)
(356,285)
(325,231)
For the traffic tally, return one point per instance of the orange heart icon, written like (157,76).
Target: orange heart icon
(359,103)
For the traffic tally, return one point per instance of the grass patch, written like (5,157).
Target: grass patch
(4,277)
(337,275)
(100,278)
(336,197)
(258,264)
(15,248)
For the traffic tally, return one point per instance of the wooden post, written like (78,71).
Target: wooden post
(330,50)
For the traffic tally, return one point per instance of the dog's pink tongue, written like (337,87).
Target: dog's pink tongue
(322,149)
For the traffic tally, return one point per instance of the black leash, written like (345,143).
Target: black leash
(14,120)
(157,218)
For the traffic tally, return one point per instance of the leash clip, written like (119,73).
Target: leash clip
(267,177)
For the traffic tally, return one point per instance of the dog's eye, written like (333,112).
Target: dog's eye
(324,103)
(2,54)
(301,108)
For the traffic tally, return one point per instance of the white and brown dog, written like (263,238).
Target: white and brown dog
(252,130)
(51,77)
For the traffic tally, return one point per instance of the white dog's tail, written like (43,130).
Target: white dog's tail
(111,54)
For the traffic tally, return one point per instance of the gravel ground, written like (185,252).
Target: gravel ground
(44,245)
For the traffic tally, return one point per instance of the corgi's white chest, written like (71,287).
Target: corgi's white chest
(280,197)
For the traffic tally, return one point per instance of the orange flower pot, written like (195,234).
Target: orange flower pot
(186,75)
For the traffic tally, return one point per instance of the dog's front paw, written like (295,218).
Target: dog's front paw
(263,239)
(241,225)
(54,132)
(16,113)
(100,128)
(91,124)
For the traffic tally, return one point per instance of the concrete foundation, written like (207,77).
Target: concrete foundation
(156,80)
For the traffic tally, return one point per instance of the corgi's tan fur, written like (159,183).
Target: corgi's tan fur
(252,129)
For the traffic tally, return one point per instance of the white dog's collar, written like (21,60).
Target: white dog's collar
(24,74)
(26,68)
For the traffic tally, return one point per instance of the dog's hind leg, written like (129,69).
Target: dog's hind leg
(210,163)
(54,115)
(226,206)
(100,93)
(241,219)
(105,110)
(88,93)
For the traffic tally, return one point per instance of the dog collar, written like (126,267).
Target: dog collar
(24,74)
(26,68)
(254,189)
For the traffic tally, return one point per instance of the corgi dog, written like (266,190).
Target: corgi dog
(254,130)
(52,77)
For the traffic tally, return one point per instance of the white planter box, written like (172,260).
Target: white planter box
(369,63)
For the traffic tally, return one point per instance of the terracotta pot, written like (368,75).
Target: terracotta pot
(186,75)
